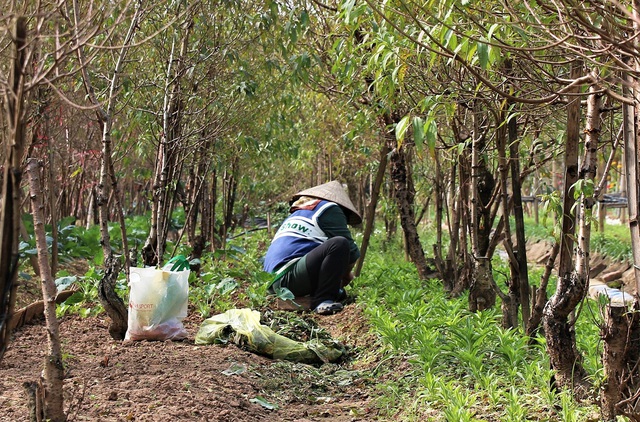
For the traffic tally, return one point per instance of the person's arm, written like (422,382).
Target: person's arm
(333,222)
(349,276)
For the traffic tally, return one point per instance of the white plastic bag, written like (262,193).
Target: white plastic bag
(157,304)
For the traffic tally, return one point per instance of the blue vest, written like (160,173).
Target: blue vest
(298,235)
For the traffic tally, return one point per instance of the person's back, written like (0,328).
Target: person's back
(313,251)
(298,235)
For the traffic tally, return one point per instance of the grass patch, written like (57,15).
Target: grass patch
(465,367)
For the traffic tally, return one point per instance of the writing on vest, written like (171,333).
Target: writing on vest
(299,234)
(295,227)
(301,227)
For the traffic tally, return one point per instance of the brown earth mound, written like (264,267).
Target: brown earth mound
(109,380)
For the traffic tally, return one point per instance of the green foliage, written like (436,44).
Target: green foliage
(84,301)
(614,243)
(543,231)
(74,242)
(401,128)
(231,276)
(463,366)
(211,291)
(466,366)
(582,187)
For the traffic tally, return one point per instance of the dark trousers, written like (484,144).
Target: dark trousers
(320,272)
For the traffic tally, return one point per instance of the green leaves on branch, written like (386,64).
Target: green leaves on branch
(424,130)
(352,11)
(296,25)
(401,129)
(418,131)
(483,54)
(387,65)
(584,187)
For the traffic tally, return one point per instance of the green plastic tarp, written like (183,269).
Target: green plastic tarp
(242,326)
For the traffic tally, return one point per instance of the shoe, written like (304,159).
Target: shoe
(328,307)
(342,295)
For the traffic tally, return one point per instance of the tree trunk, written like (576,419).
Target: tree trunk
(459,232)
(482,294)
(195,196)
(510,306)
(229,187)
(193,193)
(107,185)
(631,136)
(390,214)
(559,332)
(621,336)
(588,175)
(579,280)
(41,130)
(168,157)
(438,191)
(520,250)
(10,212)
(371,209)
(458,240)
(404,198)
(92,208)
(53,366)
(535,193)
(425,208)
(150,248)
(213,234)
(621,330)
(113,304)
(602,209)
(540,294)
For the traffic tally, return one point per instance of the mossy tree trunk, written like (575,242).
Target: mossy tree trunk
(564,357)
(404,196)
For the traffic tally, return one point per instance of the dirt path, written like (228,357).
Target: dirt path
(109,380)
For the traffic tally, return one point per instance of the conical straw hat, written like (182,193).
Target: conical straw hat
(333,191)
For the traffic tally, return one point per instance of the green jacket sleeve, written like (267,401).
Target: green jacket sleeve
(333,222)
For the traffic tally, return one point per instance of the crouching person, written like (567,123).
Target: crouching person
(313,252)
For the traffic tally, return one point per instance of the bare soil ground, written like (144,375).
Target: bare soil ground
(108,380)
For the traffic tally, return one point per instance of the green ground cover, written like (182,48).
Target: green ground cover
(458,366)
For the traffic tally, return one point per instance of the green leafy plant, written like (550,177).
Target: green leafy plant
(514,411)
(212,291)
(84,301)
(458,403)
(463,360)
(613,245)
